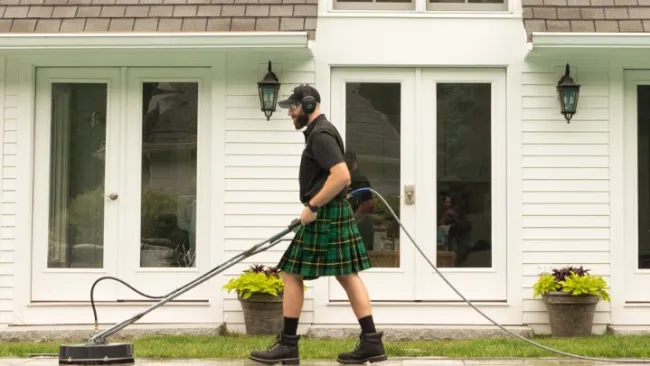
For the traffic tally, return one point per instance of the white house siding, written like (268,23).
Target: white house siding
(564,184)
(262,158)
(565,179)
(8,104)
(261,170)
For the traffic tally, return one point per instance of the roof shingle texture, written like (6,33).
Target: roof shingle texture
(586,16)
(45,16)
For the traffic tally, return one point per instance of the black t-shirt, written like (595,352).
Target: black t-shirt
(324,148)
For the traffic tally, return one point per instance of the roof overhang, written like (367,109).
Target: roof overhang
(155,40)
(571,40)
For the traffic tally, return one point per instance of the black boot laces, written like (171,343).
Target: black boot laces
(357,348)
(275,344)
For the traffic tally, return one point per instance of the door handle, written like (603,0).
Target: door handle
(112,196)
(409,194)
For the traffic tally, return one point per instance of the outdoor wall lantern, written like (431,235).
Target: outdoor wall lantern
(268,89)
(568,93)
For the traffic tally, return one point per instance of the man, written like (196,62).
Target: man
(363,204)
(328,242)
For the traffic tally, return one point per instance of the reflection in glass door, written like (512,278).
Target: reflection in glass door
(374,112)
(461,172)
(372,135)
(75,206)
(463,167)
(168,174)
(167,145)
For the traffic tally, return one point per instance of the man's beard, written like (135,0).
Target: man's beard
(301,121)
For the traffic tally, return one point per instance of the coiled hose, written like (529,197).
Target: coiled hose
(92,294)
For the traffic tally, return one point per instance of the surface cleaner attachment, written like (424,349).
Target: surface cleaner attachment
(98,352)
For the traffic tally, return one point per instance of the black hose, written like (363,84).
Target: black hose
(92,296)
(249,252)
(474,307)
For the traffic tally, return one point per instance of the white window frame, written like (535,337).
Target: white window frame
(373,5)
(419,6)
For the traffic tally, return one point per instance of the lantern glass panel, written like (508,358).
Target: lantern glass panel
(268,95)
(569,99)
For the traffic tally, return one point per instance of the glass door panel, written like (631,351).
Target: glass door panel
(374,112)
(461,171)
(168,175)
(637,194)
(74,175)
(168,151)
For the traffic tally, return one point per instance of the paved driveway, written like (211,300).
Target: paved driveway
(48,361)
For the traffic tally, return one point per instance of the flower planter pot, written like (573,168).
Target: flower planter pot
(263,314)
(570,316)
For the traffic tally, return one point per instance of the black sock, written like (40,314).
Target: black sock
(290,326)
(367,324)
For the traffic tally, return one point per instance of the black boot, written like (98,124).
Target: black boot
(283,350)
(369,349)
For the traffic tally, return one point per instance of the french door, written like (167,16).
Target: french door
(432,142)
(120,160)
(635,236)
(375,112)
(76,167)
(461,176)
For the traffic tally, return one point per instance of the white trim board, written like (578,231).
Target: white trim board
(572,40)
(188,40)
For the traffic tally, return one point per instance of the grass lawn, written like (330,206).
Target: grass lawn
(239,346)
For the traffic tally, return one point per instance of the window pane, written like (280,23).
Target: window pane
(373,114)
(643,146)
(464,175)
(78,135)
(376,1)
(169,136)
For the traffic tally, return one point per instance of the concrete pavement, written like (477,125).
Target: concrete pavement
(52,361)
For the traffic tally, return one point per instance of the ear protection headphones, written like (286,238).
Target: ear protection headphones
(308,102)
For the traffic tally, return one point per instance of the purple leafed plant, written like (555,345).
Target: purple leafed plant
(561,273)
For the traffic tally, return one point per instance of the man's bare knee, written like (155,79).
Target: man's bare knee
(345,280)
(290,277)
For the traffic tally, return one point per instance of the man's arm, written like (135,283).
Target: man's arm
(329,157)
(338,179)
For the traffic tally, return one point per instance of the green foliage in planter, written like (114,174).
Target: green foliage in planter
(258,279)
(571,280)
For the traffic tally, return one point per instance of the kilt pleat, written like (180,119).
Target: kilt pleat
(329,246)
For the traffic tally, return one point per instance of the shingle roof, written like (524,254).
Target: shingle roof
(42,16)
(586,16)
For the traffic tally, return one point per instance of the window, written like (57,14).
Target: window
(373,154)
(431,5)
(643,177)
(468,5)
(464,174)
(374,4)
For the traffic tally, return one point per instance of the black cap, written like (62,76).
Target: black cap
(298,94)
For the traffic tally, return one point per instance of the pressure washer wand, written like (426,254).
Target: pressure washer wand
(100,338)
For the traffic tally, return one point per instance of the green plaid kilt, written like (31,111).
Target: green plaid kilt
(329,246)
